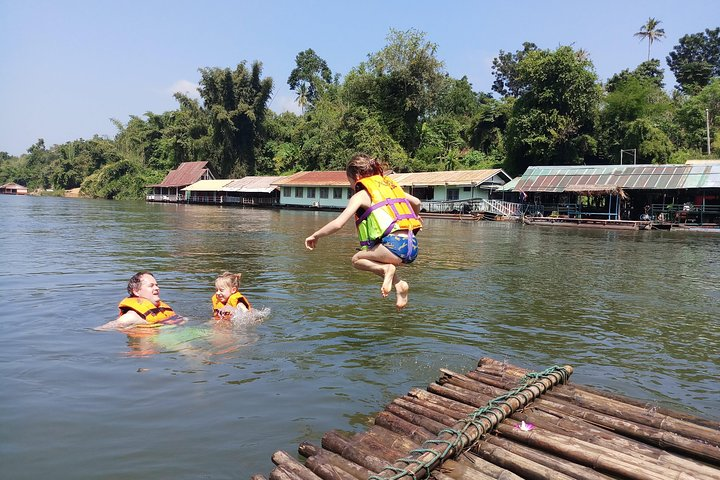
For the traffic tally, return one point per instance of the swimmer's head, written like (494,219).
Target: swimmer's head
(144,285)
(227,284)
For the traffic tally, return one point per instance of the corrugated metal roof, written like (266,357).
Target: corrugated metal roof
(207,186)
(186,174)
(256,184)
(315,178)
(451,177)
(627,177)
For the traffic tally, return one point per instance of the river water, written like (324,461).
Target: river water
(635,313)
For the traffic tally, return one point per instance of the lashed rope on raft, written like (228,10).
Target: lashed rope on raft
(465,433)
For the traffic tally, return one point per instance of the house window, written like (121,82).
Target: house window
(324,191)
(453,194)
(467,189)
(287,191)
(298,192)
(311,192)
(337,192)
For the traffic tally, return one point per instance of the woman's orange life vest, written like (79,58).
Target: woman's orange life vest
(162,314)
(235,299)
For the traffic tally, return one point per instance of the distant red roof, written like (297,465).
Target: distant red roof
(331,178)
(186,174)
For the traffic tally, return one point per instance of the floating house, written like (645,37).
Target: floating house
(170,189)
(315,189)
(256,191)
(13,189)
(687,193)
(440,192)
(205,191)
(457,191)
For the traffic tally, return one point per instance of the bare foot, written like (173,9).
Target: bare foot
(388,279)
(401,291)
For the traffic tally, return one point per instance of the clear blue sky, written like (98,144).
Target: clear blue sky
(68,66)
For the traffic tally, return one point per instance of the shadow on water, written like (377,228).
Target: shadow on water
(634,312)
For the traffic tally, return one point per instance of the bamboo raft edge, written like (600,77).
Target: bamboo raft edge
(545,428)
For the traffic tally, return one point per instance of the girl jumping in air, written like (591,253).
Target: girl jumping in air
(387,220)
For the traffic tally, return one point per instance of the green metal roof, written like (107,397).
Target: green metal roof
(627,177)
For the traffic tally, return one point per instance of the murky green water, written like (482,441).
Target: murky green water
(634,312)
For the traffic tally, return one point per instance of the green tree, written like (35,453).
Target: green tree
(505,70)
(649,70)
(401,82)
(694,115)
(553,119)
(651,33)
(695,60)
(309,78)
(236,104)
(632,98)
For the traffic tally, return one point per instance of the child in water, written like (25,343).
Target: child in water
(386,218)
(228,299)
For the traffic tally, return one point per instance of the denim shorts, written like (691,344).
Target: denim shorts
(399,245)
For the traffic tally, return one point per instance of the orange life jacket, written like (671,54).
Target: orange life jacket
(235,299)
(162,314)
(389,211)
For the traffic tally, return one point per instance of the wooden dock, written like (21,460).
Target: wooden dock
(501,422)
(589,223)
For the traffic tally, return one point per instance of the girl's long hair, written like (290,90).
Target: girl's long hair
(362,165)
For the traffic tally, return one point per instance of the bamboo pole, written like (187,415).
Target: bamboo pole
(551,468)
(458,391)
(620,409)
(577,428)
(297,469)
(425,462)
(522,466)
(396,424)
(490,366)
(552,404)
(336,443)
(563,466)
(402,427)
(461,468)
(668,461)
(308,450)
(257,476)
(599,458)
(281,472)
(560,464)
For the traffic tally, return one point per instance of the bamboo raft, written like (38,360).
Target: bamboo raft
(501,422)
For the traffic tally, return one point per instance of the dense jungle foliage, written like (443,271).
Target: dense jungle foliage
(548,107)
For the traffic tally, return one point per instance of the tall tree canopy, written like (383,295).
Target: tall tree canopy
(402,82)
(310,75)
(553,119)
(696,60)
(505,70)
(236,102)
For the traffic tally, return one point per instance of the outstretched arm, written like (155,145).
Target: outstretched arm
(127,319)
(360,199)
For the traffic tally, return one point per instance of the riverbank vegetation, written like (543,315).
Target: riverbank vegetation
(547,107)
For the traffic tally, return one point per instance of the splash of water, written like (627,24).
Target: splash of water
(251,317)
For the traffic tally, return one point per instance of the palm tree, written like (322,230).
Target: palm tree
(650,32)
(302,96)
